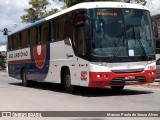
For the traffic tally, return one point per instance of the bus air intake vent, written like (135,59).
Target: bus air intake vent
(127,71)
(122,81)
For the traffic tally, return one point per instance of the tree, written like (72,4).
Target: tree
(2,61)
(73,2)
(143,2)
(51,12)
(70,3)
(37,11)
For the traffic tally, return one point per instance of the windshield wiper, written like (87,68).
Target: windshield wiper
(116,48)
(137,37)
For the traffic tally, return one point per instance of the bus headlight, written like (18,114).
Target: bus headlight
(99,76)
(153,73)
(102,76)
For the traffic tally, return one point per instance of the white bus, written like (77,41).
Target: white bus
(92,44)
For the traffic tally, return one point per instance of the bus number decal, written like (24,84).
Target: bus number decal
(84,75)
(151,67)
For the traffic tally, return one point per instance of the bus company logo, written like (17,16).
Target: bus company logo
(84,75)
(39,53)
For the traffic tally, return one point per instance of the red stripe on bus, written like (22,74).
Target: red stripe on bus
(19,61)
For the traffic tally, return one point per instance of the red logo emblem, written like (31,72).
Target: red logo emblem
(84,75)
(39,53)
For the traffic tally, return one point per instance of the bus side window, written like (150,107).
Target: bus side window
(62,26)
(33,36)
(80,36)
(81,41)
(20,40)
(45,33)
(10,43)
(69,28)
(39,35)
(15,41)
(54,29)
(12,46)
(24,39)
(50,31)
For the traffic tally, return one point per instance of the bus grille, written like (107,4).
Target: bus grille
(119,81)
(126,71)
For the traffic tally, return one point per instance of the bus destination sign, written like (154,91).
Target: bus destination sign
(107,13)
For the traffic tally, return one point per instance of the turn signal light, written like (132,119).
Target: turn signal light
(105,76)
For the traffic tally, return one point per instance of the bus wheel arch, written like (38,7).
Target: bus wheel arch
(66,79)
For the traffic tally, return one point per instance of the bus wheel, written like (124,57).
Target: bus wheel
(117,88)
(24,79)
(67,81)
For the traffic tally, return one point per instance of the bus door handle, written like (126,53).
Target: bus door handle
(68,56)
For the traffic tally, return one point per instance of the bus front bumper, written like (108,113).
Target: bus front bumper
(100,79)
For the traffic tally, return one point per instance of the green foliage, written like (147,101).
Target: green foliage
(51,12)
(2,62)
(37,11)
(73,2)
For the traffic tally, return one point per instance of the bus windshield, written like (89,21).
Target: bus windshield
(121,32)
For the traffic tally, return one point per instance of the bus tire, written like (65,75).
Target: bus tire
(117,88)
(67,81)
(24,79)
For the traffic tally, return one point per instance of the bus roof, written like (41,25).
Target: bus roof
(88,5)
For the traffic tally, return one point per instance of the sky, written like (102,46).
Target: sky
(11,10)
(154,6)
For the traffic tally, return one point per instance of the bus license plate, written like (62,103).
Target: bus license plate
(129,77)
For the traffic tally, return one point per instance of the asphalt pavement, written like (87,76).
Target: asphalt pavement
(52,97)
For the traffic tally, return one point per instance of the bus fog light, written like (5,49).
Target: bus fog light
(153,73)
(105,76)
(99,76)
(149,74)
